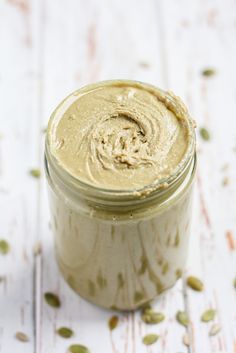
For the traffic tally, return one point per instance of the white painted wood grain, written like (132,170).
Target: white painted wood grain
(19,197)
(52,48)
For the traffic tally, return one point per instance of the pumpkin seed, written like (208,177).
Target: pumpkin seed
(144,64)
(182,318)
(235,283)
(195,283)
(113,322)
(208,72)
(65,332)
(35,173)
(150,339)
(204,133)
(151,317)
(225,181)
(214,330)
(4,247)
(78,348)
(208,315)
(21,336)
(52,299)
(37,249)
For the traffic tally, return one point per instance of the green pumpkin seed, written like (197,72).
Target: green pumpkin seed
(21,336)
(52,300)
(150,339)
(152,317)
(235,283)
(4,247)
(113,322)
(182,318)
(78,348)
(35,173)
(204,133)
(195,283)
(208,72)
(208,315)
(214,330)
(37,249)
(65,332)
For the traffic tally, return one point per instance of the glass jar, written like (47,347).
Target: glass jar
(120,249)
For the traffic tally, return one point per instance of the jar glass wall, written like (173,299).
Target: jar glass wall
(120,249)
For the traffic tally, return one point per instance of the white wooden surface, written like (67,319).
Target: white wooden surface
(50,48)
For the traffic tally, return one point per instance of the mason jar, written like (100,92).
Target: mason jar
(119,249)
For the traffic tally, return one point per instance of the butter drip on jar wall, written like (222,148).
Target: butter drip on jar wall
(120,162)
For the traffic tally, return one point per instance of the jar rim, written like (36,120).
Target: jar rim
(105,193)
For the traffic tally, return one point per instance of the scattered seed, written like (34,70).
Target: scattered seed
(2,278)
(113,322)
(78,348)
(150,339)
(208,72)
(22,337)
(225,181)
(235,283)
(35,173)
(182,318)
(208,315)
(37,248)
(204,133)
(186,340)
(195,283)
(4,247)
(214,330)
(65,332)
(149,316)
(144,64)
(52,300)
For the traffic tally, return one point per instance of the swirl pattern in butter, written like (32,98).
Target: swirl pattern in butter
(121,135)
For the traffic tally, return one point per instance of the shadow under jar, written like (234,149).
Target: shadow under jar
(120,162)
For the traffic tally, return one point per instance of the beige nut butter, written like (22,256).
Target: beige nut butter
(120,161)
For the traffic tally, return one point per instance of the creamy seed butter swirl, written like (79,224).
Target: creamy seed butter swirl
(122,135)
(108,146)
